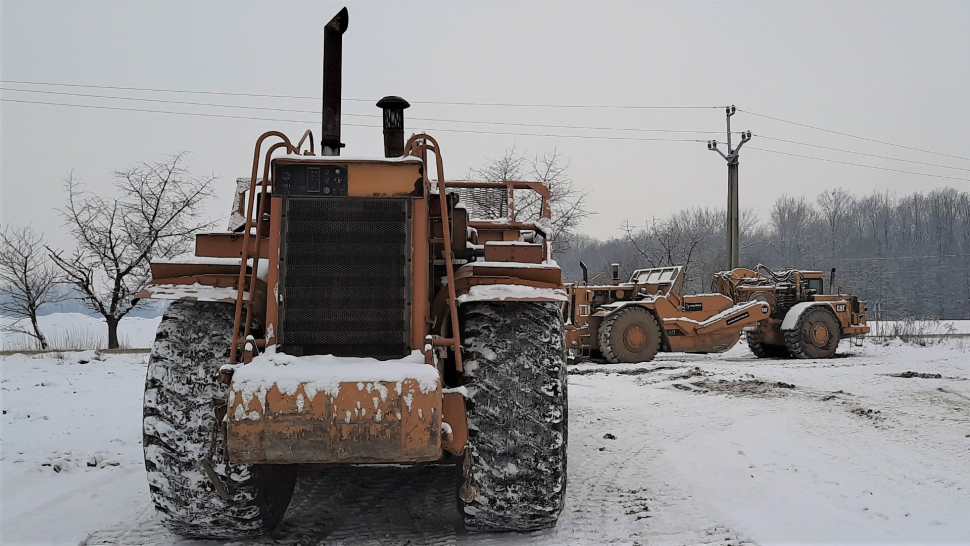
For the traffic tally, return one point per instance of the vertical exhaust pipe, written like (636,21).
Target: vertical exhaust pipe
(332,53)
(582,266)
(393,125)
(832,281)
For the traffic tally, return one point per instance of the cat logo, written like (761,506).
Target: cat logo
(764,308)
(840,308)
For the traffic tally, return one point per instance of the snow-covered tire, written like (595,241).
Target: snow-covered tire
(766,350)
(631,334)
(816,334)
(513,474)
(181,388)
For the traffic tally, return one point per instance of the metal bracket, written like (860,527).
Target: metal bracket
(206,462)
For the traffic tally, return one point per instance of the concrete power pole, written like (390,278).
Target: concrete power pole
(733,246)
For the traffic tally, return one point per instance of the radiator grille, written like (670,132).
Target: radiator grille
(345,277)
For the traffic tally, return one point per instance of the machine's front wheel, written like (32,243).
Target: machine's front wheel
(631,334)
(513,474)
(766,350)
(816,334)
(182,390)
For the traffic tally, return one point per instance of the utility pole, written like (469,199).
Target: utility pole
(733,246)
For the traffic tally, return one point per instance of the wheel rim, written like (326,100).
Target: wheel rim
(635,338)
(819,334)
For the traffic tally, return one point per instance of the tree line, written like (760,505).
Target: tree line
(910,253)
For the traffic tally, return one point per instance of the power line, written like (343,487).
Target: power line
(505,104)
(853,136)
(468,131)
(859,164)
(209,104)
(861,153)
(168,112)
(592,137)
(645,107)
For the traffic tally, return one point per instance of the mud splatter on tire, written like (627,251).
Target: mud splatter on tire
(179,414)
(514,468)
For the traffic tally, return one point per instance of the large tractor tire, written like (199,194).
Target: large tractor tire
(513,472)
(766,350)
(631,334)
(816,334)
(182,391)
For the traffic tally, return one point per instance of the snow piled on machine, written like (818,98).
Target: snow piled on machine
(511,292)
(325,373)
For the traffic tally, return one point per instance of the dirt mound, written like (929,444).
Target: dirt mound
(910,375)
(740,387)
(868,413)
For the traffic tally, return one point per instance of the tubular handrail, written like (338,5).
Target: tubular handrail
(244,299)
(423,143)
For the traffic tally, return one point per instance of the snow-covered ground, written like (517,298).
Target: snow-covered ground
(687,449)
(78,330)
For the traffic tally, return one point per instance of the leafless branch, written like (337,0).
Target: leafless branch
(28,280)
(158,210)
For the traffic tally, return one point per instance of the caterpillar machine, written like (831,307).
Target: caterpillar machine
(354,314)
(805,322)
(633,321)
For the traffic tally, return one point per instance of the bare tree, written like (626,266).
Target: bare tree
(28,280)
(687,239)
(791,221)
(835,206)
(158,211)
(566,203)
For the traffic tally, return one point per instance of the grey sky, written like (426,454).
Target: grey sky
(898,72)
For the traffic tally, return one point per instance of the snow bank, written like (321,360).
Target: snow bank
(90,332)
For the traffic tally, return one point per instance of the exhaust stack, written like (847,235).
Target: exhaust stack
(393,125)
(332,52)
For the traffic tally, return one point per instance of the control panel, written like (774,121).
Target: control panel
(310,180)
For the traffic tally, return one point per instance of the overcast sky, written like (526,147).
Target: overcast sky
(896,72)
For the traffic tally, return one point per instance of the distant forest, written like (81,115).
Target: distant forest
(910,254)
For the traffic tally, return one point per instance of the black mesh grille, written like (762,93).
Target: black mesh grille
(345,277)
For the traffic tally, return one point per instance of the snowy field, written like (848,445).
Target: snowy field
(75,330)
(688,449)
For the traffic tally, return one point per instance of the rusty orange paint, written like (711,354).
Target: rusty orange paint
(420,263)
(453,410)
(364,422)
(225,245)
(517,252)
(273,273)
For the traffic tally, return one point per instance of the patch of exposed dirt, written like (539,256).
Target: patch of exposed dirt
(695,371)
(911,375)
(868,413)
(741,387)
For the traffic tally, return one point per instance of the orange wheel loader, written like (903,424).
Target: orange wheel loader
(355,313)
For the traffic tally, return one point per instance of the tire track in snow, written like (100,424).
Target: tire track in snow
(622,494)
